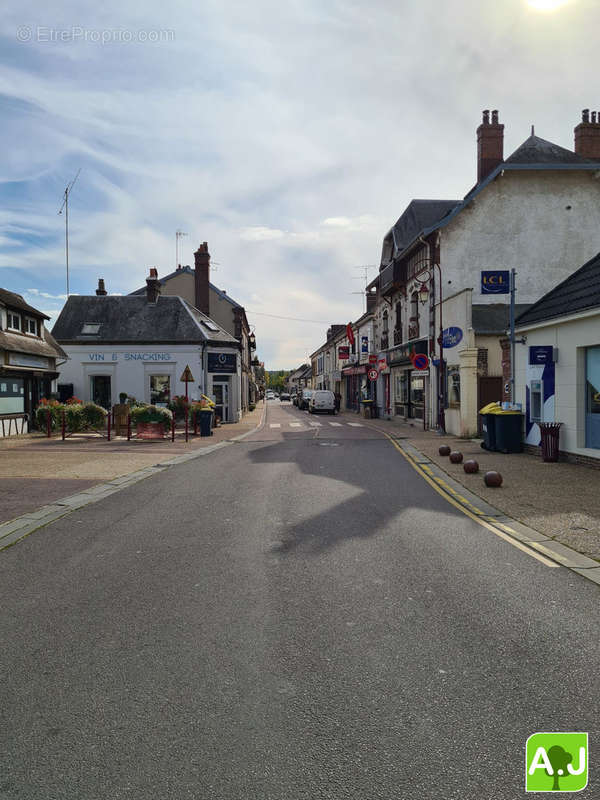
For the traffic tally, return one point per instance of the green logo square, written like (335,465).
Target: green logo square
(556,762)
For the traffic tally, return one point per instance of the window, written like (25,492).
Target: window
(385,321)
(401,388)
(160,389)
(413,326)
(398,324)
(31,326)
(90,328)
(593,380)
(14,321)
(12,396)
(453,386)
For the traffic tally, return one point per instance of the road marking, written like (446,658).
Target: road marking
(355,424)
(336,424)
(316,424)
(296,425)
(449,499)
(275,425)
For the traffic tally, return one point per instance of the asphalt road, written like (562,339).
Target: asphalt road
(298,615)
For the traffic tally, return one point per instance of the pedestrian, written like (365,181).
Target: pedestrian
(338,400)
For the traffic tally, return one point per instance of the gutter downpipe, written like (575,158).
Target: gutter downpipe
(441,399)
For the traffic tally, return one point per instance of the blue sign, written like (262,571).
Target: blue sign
(364,344)
(541,354)
(222,362)
(495,281)
(451,337)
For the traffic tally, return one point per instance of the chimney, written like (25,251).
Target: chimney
(490,145)
(152,286)
(101,291)
(202,278)
(587,135)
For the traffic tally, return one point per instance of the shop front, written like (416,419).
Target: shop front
(409,385)
(357,388)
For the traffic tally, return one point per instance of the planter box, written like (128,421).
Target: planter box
(150,430)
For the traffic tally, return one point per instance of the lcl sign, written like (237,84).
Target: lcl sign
(495,281)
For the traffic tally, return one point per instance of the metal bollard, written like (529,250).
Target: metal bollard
(128,427)
(48,426)
(173,429)
(108,424)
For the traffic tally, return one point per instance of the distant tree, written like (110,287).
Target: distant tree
(559,759)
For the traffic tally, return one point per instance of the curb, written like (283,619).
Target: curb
(18,528)
(526,538)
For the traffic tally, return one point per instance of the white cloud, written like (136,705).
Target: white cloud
(260,234)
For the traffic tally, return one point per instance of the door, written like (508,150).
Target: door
(221,392)
(489,390)
(101,392)
(592,400)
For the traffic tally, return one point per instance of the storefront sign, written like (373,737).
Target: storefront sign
(350,333)
(364,344)
(27,360)
(355,370)
(382,364)
(222,362)
(451,337)
(343,352)
(372,359)
(495,281)
(129,357)
(540,354)
(402,354)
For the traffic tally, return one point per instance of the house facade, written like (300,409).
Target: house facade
(30,360)
(557,364)
(141,344)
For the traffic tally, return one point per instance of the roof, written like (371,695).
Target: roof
(579,292)
(16,301)
(189,271)
(419,214)
(132,319)
(19,343)
(533,154)
(493,318)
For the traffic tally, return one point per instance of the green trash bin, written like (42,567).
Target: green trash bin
(509,431)
(488,426)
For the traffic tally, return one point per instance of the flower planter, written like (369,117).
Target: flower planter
(150,430)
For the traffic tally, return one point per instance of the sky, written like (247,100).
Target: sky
(289,136)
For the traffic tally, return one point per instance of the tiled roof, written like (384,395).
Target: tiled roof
(579,292)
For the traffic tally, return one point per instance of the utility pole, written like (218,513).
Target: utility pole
(65,205)
(513,289)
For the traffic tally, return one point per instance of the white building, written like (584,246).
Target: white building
(557,375)
(141,344)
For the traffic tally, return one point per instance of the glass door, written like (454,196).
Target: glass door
(221,392)
(592,400)
(101,393)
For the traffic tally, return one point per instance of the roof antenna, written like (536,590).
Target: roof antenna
(532,131)
(65,205)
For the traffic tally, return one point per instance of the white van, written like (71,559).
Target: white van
(322,400)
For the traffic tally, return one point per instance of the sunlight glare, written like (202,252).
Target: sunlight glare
(546,5)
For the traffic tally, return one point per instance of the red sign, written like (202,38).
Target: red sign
(382,364)
(350,333)
(343,352)
(420,361)
(372,374)
(372,359)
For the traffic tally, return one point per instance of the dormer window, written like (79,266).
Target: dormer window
(90,328)
(13,321)
(31,326)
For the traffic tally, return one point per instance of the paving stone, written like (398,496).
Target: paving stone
(12,526)
(566,556)
(43,512)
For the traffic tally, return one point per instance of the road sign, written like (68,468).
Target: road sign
(372,374)
(372,359)
(187,376)
(420,361)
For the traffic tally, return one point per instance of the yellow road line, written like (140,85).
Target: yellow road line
(446,493)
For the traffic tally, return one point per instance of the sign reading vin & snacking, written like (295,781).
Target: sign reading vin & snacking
(222,362)
(495,281)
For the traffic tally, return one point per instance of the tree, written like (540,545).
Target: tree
(559,759)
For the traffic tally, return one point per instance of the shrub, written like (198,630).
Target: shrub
(73,401)
(74,419)
(178,405)
(52,407)
(147,413)
(94,416)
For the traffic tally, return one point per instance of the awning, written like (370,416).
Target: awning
(361,370)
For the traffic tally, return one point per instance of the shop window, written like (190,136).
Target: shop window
(417,391)
(13,321)
(453,386)
(12,396)
(535,401)
(160,389)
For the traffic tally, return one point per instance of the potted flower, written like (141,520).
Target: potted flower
(179,407)
(150,421)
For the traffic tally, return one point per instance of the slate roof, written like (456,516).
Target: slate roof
(131,319)
(579,292)
(419,214)
(539,151)
(16,301)
(493,318)
(189,271)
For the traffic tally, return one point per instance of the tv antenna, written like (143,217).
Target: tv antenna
(65,205)
(365,277)
(178,236)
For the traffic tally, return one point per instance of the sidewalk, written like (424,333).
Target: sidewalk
(561,500)
(36,471)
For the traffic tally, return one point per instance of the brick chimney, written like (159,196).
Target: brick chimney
(202,278)
(490,145)
(587,135)
(152,286)
(101,291)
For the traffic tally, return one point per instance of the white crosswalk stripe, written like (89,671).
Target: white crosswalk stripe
(296,425)
(336,424)
(355,424)
(316,424)
(275,425)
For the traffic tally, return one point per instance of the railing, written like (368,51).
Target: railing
(385,342)
(397,336)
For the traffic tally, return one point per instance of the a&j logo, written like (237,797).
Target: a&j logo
(556,762)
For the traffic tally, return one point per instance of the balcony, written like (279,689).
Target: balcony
(397,337)
(391,278)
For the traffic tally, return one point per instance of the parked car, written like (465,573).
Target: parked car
(322,400)
(294,399)
(284,396)
(270,395)
(305,398)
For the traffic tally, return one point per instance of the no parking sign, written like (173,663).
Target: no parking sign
(420,361)
(372,374)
